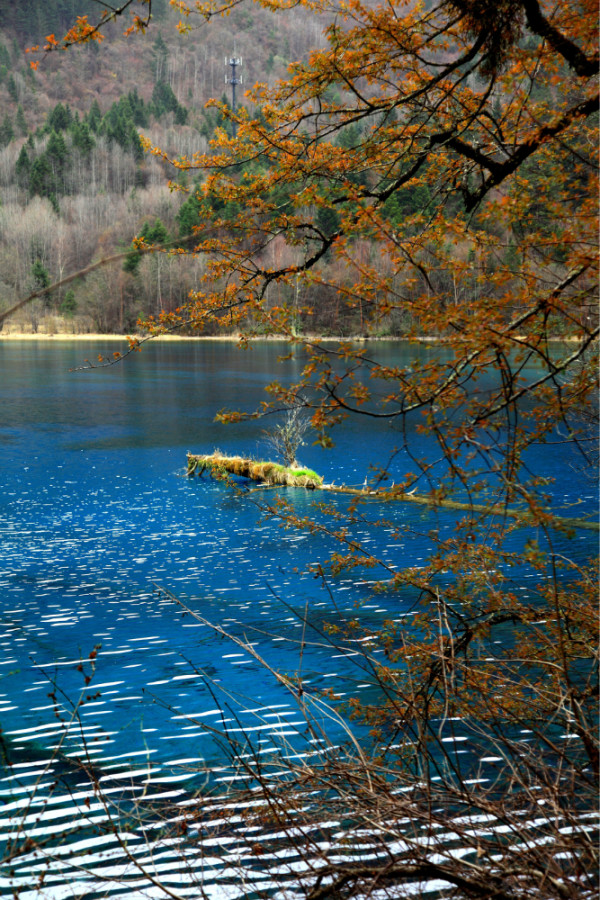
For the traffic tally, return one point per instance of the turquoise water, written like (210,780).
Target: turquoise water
(97,512)
(97,521)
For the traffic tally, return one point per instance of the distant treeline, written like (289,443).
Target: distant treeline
(44,165)
(33,20)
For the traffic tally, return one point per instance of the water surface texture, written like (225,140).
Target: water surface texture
(97,515)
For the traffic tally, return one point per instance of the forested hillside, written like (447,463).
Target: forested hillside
(425,168)
(75,184)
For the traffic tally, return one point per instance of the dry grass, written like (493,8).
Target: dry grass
(262,472)
(220,465)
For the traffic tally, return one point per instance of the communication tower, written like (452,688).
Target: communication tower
(234,79)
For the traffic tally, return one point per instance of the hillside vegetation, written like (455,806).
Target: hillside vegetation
(75,184)
(429,170)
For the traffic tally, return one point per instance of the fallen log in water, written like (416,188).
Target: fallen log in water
(524,517)
(269,474)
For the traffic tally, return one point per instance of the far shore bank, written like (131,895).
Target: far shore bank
(236,338)
(419,339)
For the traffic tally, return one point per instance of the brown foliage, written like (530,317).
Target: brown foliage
(436,163)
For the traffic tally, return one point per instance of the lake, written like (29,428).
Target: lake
(101,533)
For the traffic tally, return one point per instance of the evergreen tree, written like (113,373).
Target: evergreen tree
(7,132)
(134,143)
(328,219)
(82,137)
(221,120)
(155,233)
(41,279)
(60,118)
(138,109)
(165,101)
(124,107)
(20,120)
(406,202)
(118,130)
(68,305)
(181,115)
(23,168)
(94,117)
(118,125)
(34,19)
(12,88)
(57,154)
(42,180)
(189,215)
(350,136)
(160,55)
(131,263)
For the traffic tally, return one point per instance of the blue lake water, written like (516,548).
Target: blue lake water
(96,515)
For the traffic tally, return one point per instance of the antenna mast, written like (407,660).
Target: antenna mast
(233,80)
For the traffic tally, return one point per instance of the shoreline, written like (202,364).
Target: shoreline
(177,338)
(96,336)
(235,338)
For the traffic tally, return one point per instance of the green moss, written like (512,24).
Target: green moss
(270,467)
(267,472)
(306,473)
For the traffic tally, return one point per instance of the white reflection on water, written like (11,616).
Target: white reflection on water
(94,512)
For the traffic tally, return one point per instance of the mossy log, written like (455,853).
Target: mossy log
(272,475)
(269,473)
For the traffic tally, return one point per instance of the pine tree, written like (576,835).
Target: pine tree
(164,101)
(20,120)
(152,233)
(138,109)
(82,138)
(57,155)
(42,179)
(189,215)
(160,55)
(155,233)
(134,144)
(68,306)
(23,168)
(12,88)
(7,132)
(41,279)
(60,118)
(94,117)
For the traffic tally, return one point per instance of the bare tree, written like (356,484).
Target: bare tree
(286,437)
